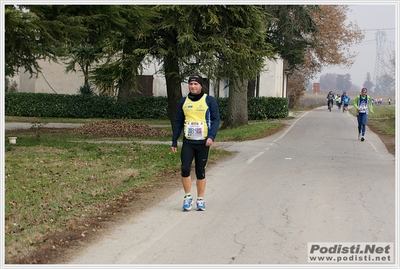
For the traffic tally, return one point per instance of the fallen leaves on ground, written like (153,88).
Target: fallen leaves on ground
(115,128)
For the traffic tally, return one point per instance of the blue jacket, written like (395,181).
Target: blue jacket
(213,125)
(346,100)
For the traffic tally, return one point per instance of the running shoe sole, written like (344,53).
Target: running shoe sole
(187,209)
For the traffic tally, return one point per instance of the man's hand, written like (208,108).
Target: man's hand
(174,149)
(209,142)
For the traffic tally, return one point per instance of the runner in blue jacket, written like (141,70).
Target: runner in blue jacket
(345,102)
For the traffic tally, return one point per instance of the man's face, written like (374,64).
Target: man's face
(194,87)
(363,92)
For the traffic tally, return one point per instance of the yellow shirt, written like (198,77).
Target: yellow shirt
(196,113)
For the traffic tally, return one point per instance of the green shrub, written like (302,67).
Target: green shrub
(87,106)
(86,90)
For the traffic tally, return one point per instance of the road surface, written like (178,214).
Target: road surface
(312,182)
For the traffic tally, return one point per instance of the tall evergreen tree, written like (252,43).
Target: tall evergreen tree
(216,40)
(31,36)
(289,29)
(239,48)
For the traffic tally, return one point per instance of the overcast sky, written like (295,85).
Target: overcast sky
(370,18)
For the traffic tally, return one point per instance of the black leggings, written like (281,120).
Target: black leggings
(200,155)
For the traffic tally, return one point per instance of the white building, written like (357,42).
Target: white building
(54,79)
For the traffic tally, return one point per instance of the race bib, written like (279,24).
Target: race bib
(194,131)
(363,107)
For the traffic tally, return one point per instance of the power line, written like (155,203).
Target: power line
(382,29)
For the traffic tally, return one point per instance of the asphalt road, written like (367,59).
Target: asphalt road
(312,182)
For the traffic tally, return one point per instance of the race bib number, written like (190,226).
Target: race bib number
(363,107)
(194,131)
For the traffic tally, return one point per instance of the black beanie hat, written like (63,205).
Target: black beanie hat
(197,79)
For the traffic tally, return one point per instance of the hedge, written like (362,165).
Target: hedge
(85,106)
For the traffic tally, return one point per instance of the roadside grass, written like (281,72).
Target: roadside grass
(54,181)
(383,119)
(255,130)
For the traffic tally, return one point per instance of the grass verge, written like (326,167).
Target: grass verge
(383,123)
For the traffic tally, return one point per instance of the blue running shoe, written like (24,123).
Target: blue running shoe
(201,205)
(187,203)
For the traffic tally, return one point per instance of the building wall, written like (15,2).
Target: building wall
(25,83)
(271,81)
(54,80)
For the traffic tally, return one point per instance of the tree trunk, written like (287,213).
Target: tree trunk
(128,80)
(251,88)
(173,81)
(125,90)
(237,112)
